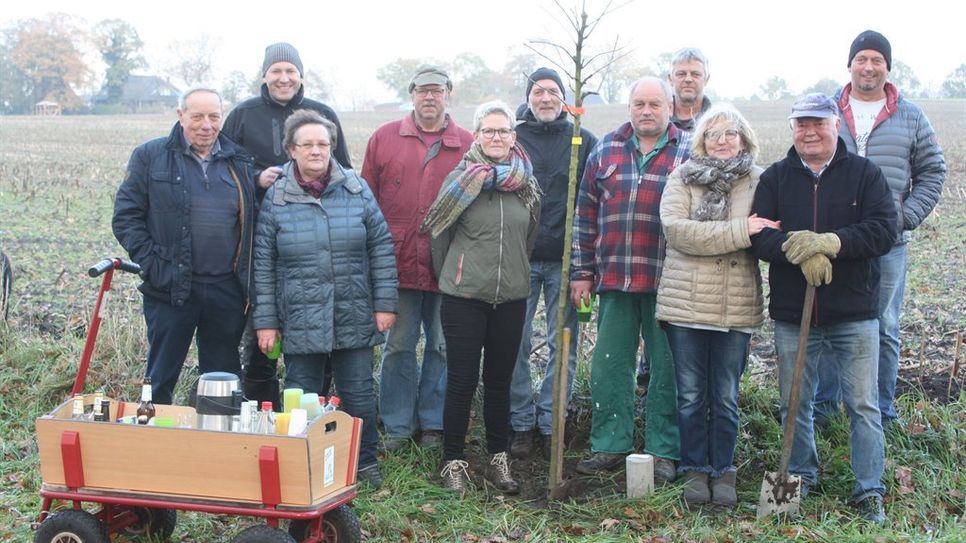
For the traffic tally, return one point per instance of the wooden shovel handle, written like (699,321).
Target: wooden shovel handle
(796,390)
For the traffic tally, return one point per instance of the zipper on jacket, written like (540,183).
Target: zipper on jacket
(499,269)
(815,229)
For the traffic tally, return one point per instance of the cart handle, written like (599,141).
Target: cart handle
(113,263)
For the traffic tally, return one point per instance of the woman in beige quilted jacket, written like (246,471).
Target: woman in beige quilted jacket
(709,298)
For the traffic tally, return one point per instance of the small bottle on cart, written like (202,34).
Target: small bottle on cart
(332,405)
(146,409)
(96,407)
(105,414)
(77,408)
(265,423)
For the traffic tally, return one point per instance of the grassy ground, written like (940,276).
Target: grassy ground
(57,182)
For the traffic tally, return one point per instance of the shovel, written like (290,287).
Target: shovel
(781,493)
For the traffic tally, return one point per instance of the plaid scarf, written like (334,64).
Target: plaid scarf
(476,173)
(315,188)
(718,176)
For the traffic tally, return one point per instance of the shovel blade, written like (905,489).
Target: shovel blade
(780,494)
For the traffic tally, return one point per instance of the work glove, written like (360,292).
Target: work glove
(817,270)
(802,244)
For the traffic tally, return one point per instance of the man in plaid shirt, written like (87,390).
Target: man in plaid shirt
(618,250)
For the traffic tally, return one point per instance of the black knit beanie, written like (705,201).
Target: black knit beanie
(870,39)
(281,52)
(545,73)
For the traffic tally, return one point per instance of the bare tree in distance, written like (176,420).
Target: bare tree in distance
(192,61)
(316,85)
(776,88)
(905,79)
(826,86)
(580,68)
(955,84)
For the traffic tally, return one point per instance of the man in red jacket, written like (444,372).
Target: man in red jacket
(405,164)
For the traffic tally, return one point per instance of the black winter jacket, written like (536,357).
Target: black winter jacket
(152,215)
(323,266)
(548,145)
(256,124)
(851,199)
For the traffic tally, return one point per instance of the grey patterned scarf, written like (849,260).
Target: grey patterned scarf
(717,175)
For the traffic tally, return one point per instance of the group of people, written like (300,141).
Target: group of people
(453,235)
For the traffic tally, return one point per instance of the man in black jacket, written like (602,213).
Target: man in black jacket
(185,214)
(545,133)
(256,124)
(838,217)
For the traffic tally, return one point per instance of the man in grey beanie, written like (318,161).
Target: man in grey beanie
(545,132)
(256,124)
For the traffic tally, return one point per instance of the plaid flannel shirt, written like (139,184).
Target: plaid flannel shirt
(617,236)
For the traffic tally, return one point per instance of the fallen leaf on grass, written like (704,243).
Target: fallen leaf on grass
(574,529)
(915,428)
(516,534)
(427,508)
(470,538)
(381,495)
(630,512)
(609,523)
(904,477)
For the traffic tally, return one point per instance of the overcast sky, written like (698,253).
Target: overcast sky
(347,41)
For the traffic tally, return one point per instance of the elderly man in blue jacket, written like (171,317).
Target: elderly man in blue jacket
(185,214)
(838,217)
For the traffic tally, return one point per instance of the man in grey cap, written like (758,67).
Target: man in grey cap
(405,164)
(837,217)
(896,135)
(256,124)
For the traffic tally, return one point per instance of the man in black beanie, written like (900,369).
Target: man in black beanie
(545,132)
(256,124)
(894,133)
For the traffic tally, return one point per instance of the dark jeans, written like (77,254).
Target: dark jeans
(708,366)
(471,327)
(216,311)
(261,372)
(352,369)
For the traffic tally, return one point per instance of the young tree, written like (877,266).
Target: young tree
(580,66)
(120,48)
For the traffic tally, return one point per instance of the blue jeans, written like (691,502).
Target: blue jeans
(708,366)
(892,287)
(352,371)
(411,397)
(854,347)
(524,412)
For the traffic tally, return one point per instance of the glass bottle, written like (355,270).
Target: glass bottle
(146,409)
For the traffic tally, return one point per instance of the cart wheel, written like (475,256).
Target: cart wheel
(71,526)
(340,525)
(155,523)
(263,533)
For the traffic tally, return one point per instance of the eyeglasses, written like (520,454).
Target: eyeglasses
(490,133)
(729,134)
(308,146)
(423,92)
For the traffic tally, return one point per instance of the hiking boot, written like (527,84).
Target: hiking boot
(599,462)
(521,445)
(664,471)
(696,487)
(370,474)
(871,509)
(393,444)
(723,490)
(499,474)
(431,439)
(455,475)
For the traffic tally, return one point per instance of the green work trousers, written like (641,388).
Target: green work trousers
(622,319)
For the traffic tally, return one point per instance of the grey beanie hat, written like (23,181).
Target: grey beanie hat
(281,52)
(545,73)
